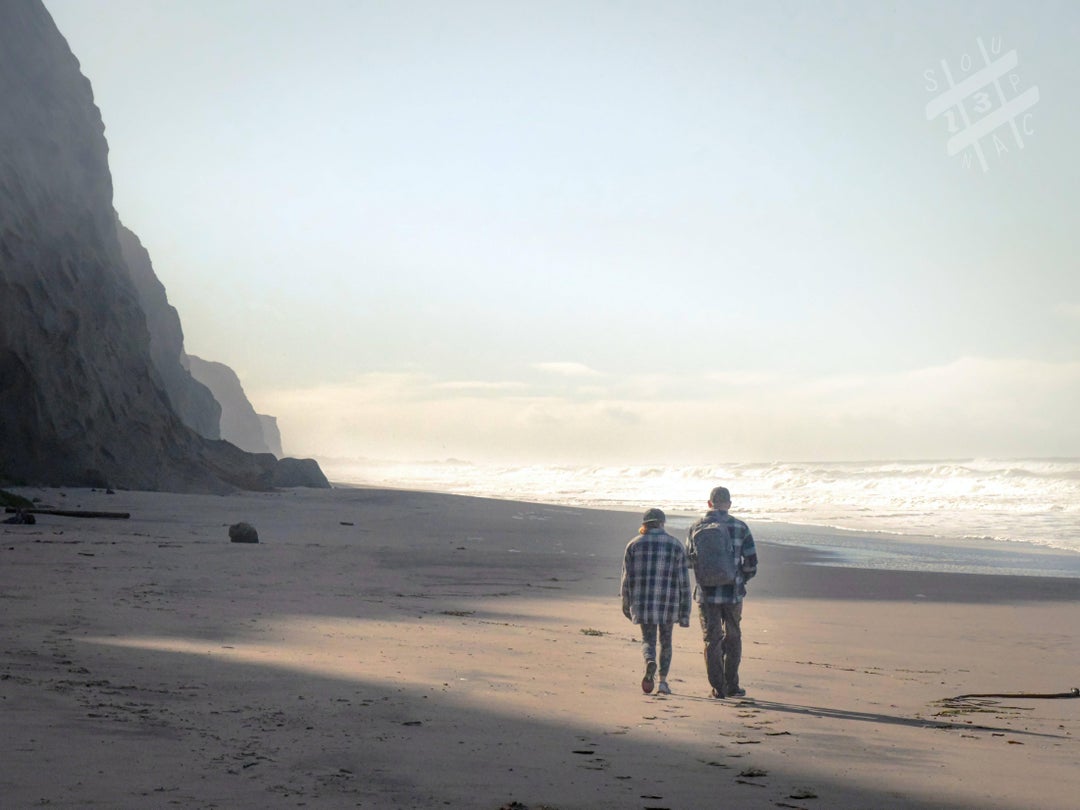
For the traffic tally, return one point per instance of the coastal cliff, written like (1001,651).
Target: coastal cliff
(208,396)
(240,424)
(192,401)
(81,399)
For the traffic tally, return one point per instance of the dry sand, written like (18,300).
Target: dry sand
(402,650)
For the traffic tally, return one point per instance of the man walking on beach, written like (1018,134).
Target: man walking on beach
(655,590)
(721,550)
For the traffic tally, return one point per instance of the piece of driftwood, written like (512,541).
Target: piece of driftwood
(1072,693)
(72,513)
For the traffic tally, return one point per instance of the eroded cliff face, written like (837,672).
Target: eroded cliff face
(191,400)
(271,433)
(239,422)
(80,399)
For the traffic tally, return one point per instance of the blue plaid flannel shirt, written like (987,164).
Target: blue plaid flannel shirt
(744,546)
(655,584)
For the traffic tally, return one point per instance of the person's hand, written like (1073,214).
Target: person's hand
(626,612)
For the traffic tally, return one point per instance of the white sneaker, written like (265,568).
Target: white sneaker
(663,688)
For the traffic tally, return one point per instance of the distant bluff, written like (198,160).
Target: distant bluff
(192,401)
(212,403)
(239,423)
(82,401)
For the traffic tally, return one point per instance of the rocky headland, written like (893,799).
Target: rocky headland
(92,388)
(239,423)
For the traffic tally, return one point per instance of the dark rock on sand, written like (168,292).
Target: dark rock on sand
(243,533)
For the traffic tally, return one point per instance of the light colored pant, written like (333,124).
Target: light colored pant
(649,633)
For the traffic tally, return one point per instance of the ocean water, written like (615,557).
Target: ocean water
(1024,502)
(1015,516)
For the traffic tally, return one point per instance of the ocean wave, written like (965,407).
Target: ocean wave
(1016,500)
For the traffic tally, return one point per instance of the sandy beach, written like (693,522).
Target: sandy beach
(386,649)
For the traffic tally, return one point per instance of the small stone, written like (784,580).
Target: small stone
(243,533)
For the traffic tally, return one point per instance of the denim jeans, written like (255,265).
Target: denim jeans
(649,633)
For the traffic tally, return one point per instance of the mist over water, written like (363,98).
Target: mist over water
(1025,501)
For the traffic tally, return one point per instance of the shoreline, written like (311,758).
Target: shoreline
(823,546)
(392,649)
(876,550)
(1027,501)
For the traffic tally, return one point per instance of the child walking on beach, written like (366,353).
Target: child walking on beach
(655,590)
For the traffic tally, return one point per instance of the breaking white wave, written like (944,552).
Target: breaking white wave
(1033,501)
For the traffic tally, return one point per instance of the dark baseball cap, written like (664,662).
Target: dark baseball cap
(654,515)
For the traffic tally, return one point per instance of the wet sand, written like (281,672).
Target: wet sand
(389,649)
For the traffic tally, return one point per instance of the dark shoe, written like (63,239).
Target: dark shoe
(647,682)
(737,693)
(716,694)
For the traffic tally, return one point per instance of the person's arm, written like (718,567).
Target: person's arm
(684,594)
(749,557)
(624,584)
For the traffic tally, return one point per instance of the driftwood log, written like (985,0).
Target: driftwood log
(1072,693)
(82,513)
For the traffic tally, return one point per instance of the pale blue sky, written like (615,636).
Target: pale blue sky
(640,232)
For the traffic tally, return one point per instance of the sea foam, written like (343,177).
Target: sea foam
(1031,501)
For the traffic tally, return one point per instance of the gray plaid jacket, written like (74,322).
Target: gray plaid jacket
(655,585)
(744,545)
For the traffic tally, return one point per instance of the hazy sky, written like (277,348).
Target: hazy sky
(609,232)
